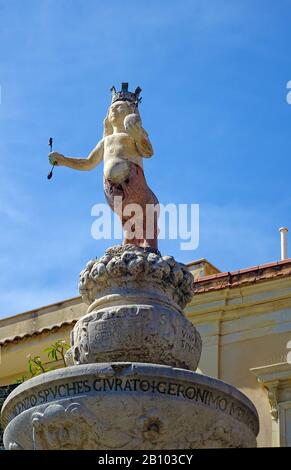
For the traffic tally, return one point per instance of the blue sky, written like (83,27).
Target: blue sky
(214,76)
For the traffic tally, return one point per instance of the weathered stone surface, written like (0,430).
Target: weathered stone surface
(141,333)
(127,406)
(135,314)
(127,268)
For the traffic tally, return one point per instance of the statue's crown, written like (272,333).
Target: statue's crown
(125,95)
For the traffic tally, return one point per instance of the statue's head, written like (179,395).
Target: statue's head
(119,110)
(123,103)
(125,95)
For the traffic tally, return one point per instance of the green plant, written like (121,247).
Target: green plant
(35,365)
(55,352)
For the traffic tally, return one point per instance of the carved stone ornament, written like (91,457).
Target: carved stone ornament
(60,428)
(129,267)
(272,391)
(136,298)
(141,333)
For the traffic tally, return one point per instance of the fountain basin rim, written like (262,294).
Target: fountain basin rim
(125,370)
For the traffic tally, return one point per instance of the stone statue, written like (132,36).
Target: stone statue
(131,381)
(122,148)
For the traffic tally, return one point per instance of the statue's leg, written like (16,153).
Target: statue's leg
(134,190)
(149,204)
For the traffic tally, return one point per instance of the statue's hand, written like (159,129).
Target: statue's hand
(132,125)
(56,158)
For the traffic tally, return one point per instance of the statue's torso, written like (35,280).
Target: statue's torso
(119,150)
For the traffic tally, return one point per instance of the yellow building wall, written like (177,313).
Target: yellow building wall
(14,361)
(242,329)
(32,332)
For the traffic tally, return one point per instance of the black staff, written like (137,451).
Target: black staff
(50,142)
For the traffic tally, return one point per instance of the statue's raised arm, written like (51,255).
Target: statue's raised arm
(84,164)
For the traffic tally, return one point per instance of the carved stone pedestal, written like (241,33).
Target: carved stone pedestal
(130,383)
(136,299)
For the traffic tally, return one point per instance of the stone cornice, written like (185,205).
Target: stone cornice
(273,373)
(41,321)
(256,297)
(51,329)
(245,312)
(37,312)
(273,377)
(243,277)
